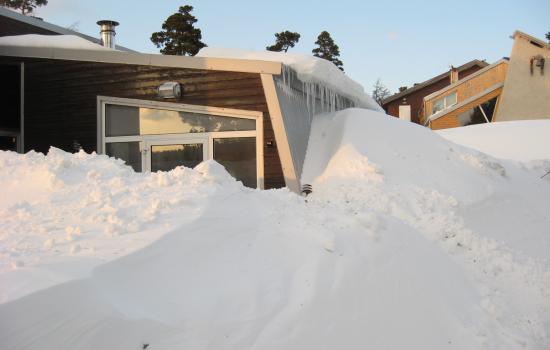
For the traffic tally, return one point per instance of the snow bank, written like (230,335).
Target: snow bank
(407,241)
(309,69)
(518,140)
(51,41)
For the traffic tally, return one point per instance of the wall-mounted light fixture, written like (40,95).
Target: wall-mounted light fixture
(169,89)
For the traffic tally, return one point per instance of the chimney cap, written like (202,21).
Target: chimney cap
(108,22)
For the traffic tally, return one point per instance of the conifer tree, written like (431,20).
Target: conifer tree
(327,49)
(548,37)
(25,6)
(380,92)
(179,35)
(284,41)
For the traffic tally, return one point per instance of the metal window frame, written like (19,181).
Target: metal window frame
(180,107)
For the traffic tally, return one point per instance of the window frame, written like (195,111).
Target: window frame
(102,101)
(444,99)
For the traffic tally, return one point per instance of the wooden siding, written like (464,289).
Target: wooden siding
(416,98)
(61,100)
(450,120)
(470,87)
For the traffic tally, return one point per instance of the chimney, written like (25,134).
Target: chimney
(107,33)
(453,75)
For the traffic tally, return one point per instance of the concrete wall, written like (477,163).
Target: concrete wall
(526,96)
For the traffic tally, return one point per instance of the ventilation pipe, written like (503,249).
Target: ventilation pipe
(107,33)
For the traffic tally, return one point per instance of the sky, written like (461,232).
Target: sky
(400,42)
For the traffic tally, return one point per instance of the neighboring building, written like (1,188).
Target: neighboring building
(408,103)
(526,92)
(509,89)
(157,112)
(471,100)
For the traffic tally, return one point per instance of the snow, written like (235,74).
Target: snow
(315,72)
(51,41)
(407,241)
(518,140)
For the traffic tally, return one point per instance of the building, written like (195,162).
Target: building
(408,104)
(157,112)
(509,89)
(471,100)
(526,91)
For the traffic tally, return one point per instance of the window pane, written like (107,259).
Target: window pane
(450,100)
(168,157)
(238,156)
(158,121)
(129,152)
(8,143)
(437,106)
(121,120)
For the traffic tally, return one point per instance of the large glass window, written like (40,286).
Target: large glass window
(129,152)
(131,121)
(238,156)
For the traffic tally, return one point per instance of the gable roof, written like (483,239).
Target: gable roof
(43,25)
(433,80)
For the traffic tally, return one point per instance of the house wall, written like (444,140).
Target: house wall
(525,96)
(451,120)
(471,87)
(416,98)
(61,100)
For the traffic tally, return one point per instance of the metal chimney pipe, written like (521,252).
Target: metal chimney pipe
(108,33)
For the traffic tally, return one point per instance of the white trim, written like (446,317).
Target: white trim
(132,58)
(206,137)
(21,140)
(283,147)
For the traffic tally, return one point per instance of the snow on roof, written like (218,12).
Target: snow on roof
(309,69)
(50,41)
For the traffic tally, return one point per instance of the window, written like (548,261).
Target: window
(444,103)
(238,156)
(130,120)
(159,136)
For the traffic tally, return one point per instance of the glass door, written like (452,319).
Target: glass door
(165,155)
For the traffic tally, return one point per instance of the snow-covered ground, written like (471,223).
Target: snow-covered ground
(407,241)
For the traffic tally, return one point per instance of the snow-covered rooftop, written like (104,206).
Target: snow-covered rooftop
(51,41)
(309,69)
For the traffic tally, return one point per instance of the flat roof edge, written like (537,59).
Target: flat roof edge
(131,58)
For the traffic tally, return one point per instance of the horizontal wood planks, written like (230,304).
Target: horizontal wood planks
(61,100)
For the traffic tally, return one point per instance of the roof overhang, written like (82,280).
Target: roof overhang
(123,57)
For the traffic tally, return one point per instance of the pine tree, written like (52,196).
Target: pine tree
(284,41)
(328,50)
(25,6)
(548,37)
(179,35)
(380,92)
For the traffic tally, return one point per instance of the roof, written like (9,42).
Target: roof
(125,57)
(532,39)
(35,22)
(433,80)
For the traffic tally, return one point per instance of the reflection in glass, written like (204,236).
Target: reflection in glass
(129,152)
(159,121)
(238,156)
(450,100)
(121,120)
(168,157)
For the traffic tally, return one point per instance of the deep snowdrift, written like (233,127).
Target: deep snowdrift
(51,41)
(408,241)
(517,140)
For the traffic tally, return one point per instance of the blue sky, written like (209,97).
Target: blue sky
(401,42)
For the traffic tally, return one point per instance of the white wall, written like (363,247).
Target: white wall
(525,96)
